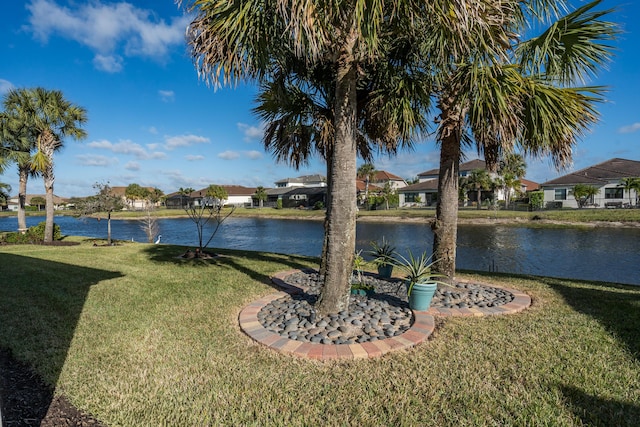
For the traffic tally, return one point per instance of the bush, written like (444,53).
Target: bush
(279,204)
(318,206)
(34,234)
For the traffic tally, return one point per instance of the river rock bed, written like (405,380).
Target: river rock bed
(383,314)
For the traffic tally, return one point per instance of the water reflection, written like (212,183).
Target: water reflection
(608,254)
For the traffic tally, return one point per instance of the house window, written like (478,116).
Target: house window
(561,194)
(613,193)
(410,197)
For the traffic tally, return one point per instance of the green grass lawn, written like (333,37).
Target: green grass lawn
(138,337)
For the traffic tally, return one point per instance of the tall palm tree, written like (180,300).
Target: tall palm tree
(17,144)
(233,41)
(514,93)
(46,118)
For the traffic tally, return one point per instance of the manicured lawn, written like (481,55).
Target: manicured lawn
(138,337)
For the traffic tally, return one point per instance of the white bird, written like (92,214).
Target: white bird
(158,241)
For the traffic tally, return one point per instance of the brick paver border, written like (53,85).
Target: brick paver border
(422,327)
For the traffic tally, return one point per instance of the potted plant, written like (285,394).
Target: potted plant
(383,254)
(420,279)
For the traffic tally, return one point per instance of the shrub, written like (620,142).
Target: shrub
(318,206)
(279,204)
(34,234)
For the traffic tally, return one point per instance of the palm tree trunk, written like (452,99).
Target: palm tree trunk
(341,224)
(48,186)
(478,198)
(23,175)
(48,147)
(445,226)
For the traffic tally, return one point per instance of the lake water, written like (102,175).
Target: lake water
(607,254)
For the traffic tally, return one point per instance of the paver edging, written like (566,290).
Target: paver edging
(422,327)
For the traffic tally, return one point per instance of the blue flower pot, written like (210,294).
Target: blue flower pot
(421,296)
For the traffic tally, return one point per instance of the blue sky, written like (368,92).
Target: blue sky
(154,123)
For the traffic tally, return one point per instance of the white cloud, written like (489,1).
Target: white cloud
(132,166)
(153,130)
(128,148)
(251,133)
(5,86)
(108,28)
(166,95)
(172,142)
(194,158)
(229,155)
(253,154)
(108,63)
(92,160)
(630,129)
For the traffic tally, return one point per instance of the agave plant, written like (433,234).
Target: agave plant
(418,269)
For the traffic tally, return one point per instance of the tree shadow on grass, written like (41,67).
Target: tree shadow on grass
(40,305)
(616,307)
(229,258)
(597,411)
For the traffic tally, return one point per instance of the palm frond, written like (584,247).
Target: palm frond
(572,48)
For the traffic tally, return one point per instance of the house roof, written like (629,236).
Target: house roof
(305,179)
(232,190)
(529,185)
(466,166)
(601,173)
(386,176)
(361,185)
(431,185)
(120,191)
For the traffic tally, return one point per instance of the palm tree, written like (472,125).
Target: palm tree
(629,184)
(506,92)
(367,172)
(18,142)
(185,192)
(234,41)
(511,167)
(47,118)
(5,189)
(583,194)
(478,180)
(261,195)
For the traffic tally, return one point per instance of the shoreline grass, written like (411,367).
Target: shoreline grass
(136,336)
(544,218)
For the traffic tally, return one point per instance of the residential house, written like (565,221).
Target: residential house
(303,181)
(58,202)
(128,203)
(237,195)
(306,194)
(381,178)
(425,191)
(606,176)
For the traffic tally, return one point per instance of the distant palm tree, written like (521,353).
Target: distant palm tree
(631,183)
(44,116)
(5,189)
(367,172)
(261,195)
(478,180)
(512,167)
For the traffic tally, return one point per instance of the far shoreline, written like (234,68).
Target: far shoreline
(482,218)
